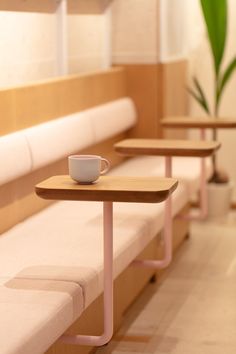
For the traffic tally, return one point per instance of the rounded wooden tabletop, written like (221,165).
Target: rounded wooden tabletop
(198,122)
(108,188)
(165,147)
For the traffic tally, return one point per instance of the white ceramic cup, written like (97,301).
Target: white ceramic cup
(87,168)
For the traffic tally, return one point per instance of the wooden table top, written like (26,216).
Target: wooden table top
(165,147)
(108,188)
(198,122)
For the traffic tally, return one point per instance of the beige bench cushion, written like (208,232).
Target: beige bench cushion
(55,139)
(112,118)
(58,138)
(65,241)
(15,159)
(40,145)
(185,169)
(35,313)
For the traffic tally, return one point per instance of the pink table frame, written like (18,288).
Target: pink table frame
(108,286)
(108,270)
(203,205)
(167,230)
(159,264)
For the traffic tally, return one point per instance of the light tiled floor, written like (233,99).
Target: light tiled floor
(194,309)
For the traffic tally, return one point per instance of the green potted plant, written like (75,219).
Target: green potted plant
(216,19)
(215,14)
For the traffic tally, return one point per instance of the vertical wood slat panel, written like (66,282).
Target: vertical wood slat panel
(43,6)
(174,94)
(158,90)
(144,86)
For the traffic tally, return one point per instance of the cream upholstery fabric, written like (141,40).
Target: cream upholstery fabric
(112,118)
(50,248)
(45,143)
(15,159)
(185,169)
(51,265)
(64,242)
(60,137)
(35,313)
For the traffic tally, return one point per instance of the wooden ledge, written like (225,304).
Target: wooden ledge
(164,147)
(108,188)
(198,122)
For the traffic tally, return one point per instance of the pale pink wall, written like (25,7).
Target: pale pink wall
(135,31)
(88,41)
(27,47)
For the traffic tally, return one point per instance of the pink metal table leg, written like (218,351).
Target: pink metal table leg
(203,209)
(159,264)
(108,286)
(203,190)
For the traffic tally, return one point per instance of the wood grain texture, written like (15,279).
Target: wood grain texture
(174,94)
(144,87)
(164,147)
(198,122)
(158,90)
(108,188)
(44,6)
(25,106)
(86,7)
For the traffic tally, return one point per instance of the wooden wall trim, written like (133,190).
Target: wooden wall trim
(24,106)
(45,6)
(144,87)
(158,90)
(174,95)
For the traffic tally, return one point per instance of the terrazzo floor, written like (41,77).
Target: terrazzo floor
(194,309)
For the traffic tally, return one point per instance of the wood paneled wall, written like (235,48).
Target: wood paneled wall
(174,94)
(24,106)
(158,90)
(86,7)
(46,6)
(144,86)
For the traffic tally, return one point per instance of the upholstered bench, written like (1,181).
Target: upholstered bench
(51,265)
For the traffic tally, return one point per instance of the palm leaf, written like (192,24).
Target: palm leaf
(226,76)
(215,14)
(223,81)
(201,94)
(198,99)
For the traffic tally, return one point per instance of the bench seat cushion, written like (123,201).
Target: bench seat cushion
(15,158)
(34,313)
(62,245)
(65,242)
(185,169)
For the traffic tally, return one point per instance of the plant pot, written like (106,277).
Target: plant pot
(219,199)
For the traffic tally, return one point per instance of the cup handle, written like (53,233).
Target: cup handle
(107,166)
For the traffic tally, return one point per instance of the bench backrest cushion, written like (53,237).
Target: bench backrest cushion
(53,140)
(112,118)
(15,158)
(56,139)
(40,145)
